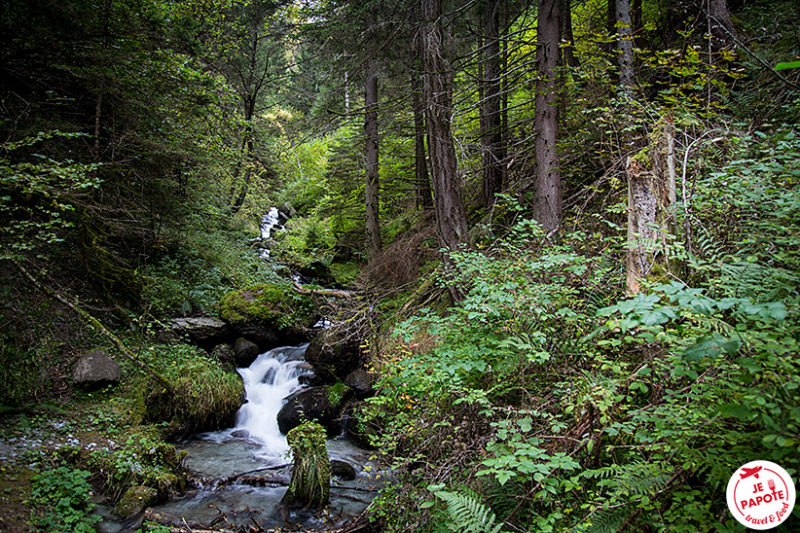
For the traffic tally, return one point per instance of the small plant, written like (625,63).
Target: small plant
(60,498)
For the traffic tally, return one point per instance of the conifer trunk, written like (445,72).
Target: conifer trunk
(547,203)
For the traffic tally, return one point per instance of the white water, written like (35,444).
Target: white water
(270,379)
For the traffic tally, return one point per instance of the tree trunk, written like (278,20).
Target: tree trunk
(371,185)
(451,219)
(547,188)
(491,127)
(567,35)
(625,46)
(422,180)
(720,21)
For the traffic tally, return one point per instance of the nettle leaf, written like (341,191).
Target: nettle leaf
(711,346)
(735,410)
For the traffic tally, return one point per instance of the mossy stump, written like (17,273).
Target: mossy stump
(310,485)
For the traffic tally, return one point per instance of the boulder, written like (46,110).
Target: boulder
(204,331)
(361,383)
(334,355)
(245,352)
(343,470)
(269,314)
(135,500)
(96,369)
(358,430)
(317,404)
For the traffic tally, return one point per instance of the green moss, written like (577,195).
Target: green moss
(336,393)
(135,500)
(311,476)
(268,302)
(204,397)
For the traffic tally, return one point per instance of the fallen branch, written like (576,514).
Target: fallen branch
(334,293)
(96,324)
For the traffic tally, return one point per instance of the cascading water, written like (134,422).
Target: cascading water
(267,381)
(255,445)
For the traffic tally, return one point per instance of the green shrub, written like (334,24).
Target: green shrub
(60,498)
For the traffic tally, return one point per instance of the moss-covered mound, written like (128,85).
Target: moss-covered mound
(269,314)
(204,397)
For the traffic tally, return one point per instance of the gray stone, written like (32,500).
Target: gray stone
(334,354)
(343,470)
(245,352)
(204,330)
(96,369)
(361,383)
(314,404)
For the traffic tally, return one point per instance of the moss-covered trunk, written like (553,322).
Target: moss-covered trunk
(311,477)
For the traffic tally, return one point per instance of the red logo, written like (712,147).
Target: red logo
(761,495)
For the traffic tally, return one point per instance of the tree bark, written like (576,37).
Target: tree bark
(421,177)
(568,49)
(547,203)
(625,46)
(451,219)
(492,146)
(720,21)
(371,185)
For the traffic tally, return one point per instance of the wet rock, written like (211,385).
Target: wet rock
(241,434)
(314,404)
(334,354)
(343,470)
(94,370)
(135,500)
(361,383)
(204,331)
(245,352)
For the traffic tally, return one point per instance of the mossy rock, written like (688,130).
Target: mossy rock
(269,314)
(135,500)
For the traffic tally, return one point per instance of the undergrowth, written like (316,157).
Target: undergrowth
(543,402)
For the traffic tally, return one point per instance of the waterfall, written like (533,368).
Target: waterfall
(267,381)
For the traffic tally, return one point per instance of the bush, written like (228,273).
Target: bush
(60,498)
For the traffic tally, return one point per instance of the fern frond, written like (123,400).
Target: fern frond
(468,513)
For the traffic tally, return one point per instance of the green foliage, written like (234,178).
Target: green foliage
(310,484)
(141,460)
(60,497)
(204,395)
(37,192)
(468,514)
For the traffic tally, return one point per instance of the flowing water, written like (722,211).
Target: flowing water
(255,447)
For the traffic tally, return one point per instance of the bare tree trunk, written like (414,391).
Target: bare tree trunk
(547,204)
(720,21)
(567,35)
(625,46)
(451,218)
(371,185)
(491,127)
(423,182)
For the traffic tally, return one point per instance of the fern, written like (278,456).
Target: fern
(468,513)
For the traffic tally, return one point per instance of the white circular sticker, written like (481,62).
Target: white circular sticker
(761,495)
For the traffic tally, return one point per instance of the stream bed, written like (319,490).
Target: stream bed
(241,473)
